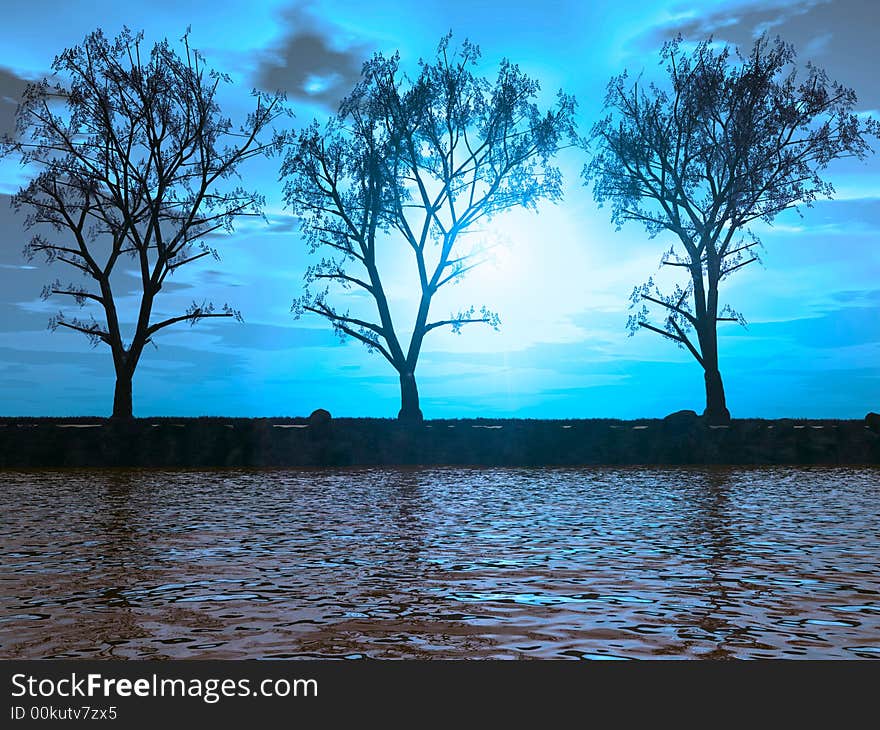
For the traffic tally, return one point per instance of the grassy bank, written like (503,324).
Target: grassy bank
(230,442)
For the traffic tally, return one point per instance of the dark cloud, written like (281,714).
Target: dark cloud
(11,88)
(838,35)
(20,281)
(858,297)
(263,337)
(308,64)
(170,379)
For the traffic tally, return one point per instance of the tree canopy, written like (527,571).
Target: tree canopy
(134,164)
(727,141)
(415,163)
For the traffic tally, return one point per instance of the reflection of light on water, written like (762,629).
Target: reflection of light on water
(594,657)
(867,608)
(565,563)
(864,649)
(222,597)
(534,599)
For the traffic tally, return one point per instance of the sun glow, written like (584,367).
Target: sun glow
(521,278)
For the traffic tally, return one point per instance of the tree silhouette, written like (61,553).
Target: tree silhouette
(414,163)
(132,154)
(729,141)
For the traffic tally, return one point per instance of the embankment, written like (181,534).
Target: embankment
(292,442)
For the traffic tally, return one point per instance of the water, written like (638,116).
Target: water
(451,563)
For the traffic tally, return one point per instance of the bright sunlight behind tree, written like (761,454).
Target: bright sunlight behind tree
(414,164)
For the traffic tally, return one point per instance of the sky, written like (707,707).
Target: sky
(560,278)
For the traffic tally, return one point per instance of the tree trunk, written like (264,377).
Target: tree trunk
(409,399)
(122,397)
(716,412)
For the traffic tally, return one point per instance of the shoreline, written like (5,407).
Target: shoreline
(206,442)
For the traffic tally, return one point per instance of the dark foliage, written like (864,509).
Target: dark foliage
(134,163)
(727,141)
(414,164)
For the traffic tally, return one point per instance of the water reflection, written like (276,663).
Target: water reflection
(594,564)
(712,528)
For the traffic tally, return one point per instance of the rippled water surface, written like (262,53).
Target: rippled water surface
(451,563)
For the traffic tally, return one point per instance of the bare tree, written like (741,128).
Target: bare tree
(132,157)
(415,163)
(729,141)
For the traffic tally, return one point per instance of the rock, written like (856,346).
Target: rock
(319,423)
(872,421)
(319,417)
(682,418)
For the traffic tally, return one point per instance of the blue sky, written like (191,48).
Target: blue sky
(560,279)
